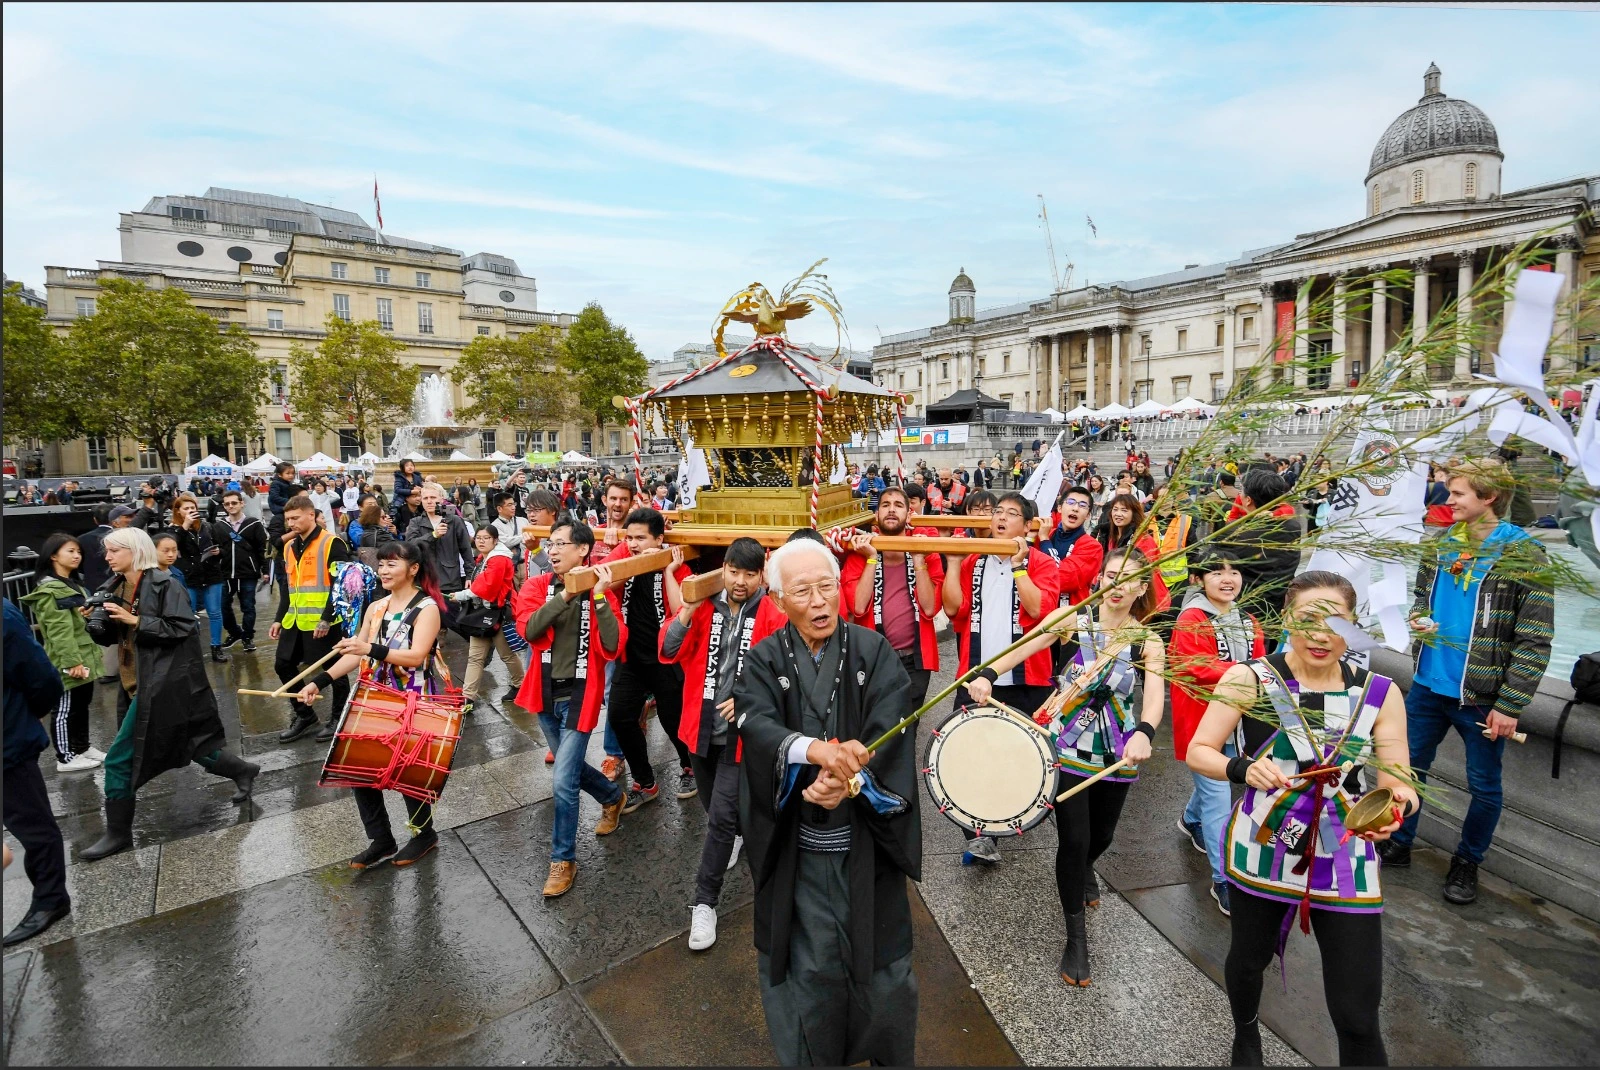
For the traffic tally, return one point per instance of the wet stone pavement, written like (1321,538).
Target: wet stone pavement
(237,936)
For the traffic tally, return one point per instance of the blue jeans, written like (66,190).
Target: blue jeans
(572,773)
(1429,718)
(609,739)
(211,596)
(1209,805)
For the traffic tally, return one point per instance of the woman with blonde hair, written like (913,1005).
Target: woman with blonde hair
(167,713)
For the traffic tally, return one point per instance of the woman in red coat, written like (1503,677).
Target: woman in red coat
(1123,516)
(1211,636)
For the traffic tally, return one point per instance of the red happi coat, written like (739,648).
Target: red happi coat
(1046,576)
(531,696)
(850,577)
(1198,664)
(694,655)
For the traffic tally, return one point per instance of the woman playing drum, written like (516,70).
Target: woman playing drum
(395,648)
(1287,849)
(1114,717)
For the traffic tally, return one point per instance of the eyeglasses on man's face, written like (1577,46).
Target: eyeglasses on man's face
(558,544)
(1013,514)
(803,595)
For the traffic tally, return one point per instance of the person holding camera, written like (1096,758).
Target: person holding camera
(165,706)
(200,560)
(446,534)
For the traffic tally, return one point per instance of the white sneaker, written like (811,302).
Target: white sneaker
(96,753)
(80,764)
(733,858)
(702,928)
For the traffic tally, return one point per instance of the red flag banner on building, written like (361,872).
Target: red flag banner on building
(1285,332)
(377,205)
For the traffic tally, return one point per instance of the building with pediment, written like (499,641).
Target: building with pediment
(1434,206)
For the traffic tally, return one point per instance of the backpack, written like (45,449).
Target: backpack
(1585,689)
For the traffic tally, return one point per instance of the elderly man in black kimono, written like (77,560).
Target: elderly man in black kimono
(832,921)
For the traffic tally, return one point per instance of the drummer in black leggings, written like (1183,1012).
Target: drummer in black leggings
(1117,720)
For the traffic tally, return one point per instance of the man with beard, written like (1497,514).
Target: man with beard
(615,501)
(832,919)
(946,494)
(896,594)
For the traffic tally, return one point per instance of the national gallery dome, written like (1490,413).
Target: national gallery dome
(1441,149)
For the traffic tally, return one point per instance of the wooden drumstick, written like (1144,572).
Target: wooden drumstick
(1107,771)
(997,704)
(1515,737)
(283,689)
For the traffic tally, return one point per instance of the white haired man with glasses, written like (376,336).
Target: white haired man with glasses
(832,920)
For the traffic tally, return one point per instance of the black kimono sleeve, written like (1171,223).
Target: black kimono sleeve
(883,705)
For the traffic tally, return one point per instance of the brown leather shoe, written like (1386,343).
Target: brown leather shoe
(562,874)
(610,816)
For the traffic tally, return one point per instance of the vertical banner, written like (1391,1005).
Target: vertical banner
(1285,332)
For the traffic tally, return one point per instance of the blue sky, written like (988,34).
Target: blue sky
(657,158)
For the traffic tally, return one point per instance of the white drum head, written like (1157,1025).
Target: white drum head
(990,771)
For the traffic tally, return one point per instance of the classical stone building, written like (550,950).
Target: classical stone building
(1434,205)
(278,266)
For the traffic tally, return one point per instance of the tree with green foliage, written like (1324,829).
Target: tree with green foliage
(34,390)
(604,361)
(149,364)
(517,381)
(353,378)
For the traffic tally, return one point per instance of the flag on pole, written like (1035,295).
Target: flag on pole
(377,205)
(1092,228)
(1045,483)
(693,473)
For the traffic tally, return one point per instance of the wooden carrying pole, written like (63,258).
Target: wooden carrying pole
(916,544)
(582,579)
(699,588)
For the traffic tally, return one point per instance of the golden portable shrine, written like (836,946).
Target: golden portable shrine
(772,421)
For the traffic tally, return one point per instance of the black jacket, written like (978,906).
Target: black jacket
(176,708)
(244,552)
(94,568)
(200,567)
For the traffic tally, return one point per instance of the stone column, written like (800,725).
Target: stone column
(1116,361)
(1229,314)
(1093,401)
(1302,330)
(1052,377)
(1380,320)
(1561,339)
(1339,374)
(1464,283)
(1420,275)
(1266,351)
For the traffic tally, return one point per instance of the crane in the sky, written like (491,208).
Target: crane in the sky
(1062,282)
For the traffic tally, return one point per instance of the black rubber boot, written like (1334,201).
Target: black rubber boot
(119,831)
(218,656)
(1075,958)
(242,773)
(1247,1044)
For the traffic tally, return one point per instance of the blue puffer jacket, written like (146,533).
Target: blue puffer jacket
(33,688)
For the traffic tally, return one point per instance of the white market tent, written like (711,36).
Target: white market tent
(1078,413)
(497,455)
(212,465)
(368,461)
(574,457)
(458,455)
(320,462)
(1193,405)
(1055,417)
(1149,407)
(416,455)
(263,464)
(1113,409)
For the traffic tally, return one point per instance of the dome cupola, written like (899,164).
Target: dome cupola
(963,298)
(1441,149)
